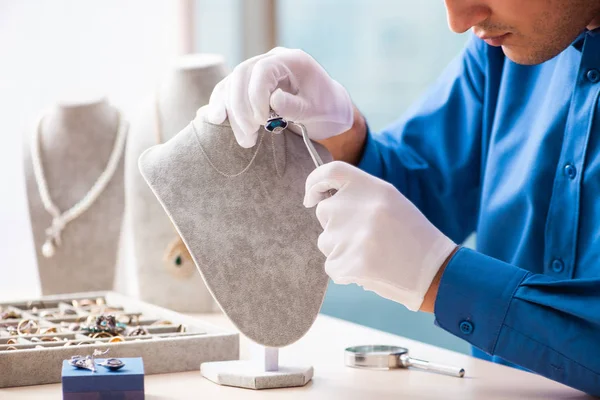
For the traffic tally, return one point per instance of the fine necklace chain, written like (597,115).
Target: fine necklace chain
(262,136)
(159,139)
(61,219)
(226,175)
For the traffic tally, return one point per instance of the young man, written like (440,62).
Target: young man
(506,143)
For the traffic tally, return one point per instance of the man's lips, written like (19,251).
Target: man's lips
(493,40)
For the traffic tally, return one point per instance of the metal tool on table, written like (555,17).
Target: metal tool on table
(277,124)
(391,357)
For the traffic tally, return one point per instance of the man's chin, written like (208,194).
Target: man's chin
(528,56)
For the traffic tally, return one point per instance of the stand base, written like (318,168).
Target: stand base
(248,374)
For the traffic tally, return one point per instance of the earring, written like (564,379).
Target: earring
(177,259)
(112,364)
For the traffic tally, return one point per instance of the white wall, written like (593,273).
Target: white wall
(48,48)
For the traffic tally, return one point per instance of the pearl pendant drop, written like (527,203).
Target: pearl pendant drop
(48,249)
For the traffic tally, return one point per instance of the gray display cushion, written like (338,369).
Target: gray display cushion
(253,241)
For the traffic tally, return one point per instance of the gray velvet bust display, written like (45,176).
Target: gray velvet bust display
(253,241)
(157,261)
(77,138)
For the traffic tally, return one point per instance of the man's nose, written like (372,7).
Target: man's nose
(463,14)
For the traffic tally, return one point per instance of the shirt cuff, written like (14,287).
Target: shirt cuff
(370,161)
(474,296)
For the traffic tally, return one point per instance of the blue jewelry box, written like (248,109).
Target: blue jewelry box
(126,383)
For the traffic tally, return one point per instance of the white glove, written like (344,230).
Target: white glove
(373,236)
(293,84)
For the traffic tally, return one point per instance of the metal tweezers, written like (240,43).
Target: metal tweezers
(277,124)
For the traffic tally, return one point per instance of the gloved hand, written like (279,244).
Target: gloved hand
(373,236)
(293,84)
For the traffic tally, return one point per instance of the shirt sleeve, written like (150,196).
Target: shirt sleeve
(548,326)
(433,154)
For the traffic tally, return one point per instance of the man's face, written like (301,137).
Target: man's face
(529,31)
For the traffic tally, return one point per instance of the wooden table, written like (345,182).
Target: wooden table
(323,347)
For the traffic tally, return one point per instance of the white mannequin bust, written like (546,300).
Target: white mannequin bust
(76,140)
(166,275)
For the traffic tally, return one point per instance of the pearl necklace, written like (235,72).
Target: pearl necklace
(60,220)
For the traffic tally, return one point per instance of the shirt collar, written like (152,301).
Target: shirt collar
(578,42)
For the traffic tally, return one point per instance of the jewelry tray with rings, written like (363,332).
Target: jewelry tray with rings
(37,335)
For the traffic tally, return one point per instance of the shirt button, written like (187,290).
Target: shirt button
(558,265)
(593,75)
(466,327)
(571,171)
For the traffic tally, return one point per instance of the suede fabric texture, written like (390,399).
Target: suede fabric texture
(253,241)
(150,235)
(77,141)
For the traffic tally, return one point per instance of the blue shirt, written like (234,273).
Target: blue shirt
(511,152)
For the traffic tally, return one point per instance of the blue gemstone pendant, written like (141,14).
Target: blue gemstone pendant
(276,124)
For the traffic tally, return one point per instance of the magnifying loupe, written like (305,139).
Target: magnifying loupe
(391,357)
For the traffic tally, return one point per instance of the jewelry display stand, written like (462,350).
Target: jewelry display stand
(166,275)
(263,372)
(240,213)
(74,178)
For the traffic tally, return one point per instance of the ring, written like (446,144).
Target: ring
(104,323)
(12,331)
(68,311)
(30,305)
(116,339)
(11,348)
(82,303)
(74,326)
(47,314)
(10,315)
(101,335)
(139,331)
(11,341)
(51,329)
(182,328)
(28,327)
(84,342)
